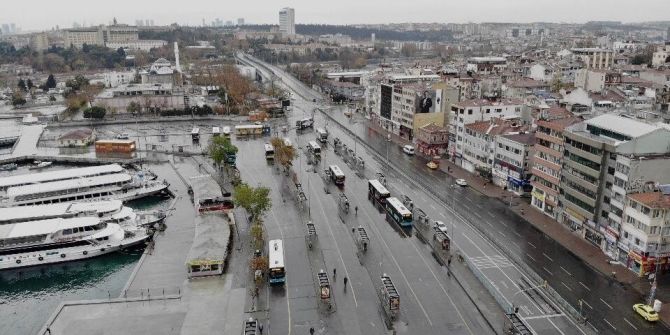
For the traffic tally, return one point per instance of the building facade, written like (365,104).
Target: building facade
(512,153)
(287,21)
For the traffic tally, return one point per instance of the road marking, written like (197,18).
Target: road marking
(489,223)
(433,207)
(566,271)
(490,214)
(543,316)
(501,233)
(503,223)
(478,205)
(517,245)
(584,286)
(549,258)
(549,272)
(517,234)
(604,302)
(609,324)
(531,257)
(478,215)
(630,324)
(587,304)
(532,245)
(566,286)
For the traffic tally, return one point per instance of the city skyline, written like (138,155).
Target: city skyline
(343,12)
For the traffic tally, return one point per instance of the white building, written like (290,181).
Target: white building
(116,78)
(595,58)
(144,45)
(287,21)
(510,163)
(661,55)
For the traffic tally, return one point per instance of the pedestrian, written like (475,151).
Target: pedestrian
(449,261)
(311,330)
(260,328)
(345,282)
(334,273)
(356,210)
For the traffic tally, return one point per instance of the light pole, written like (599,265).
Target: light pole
(543,285)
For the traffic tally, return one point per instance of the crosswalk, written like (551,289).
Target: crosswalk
(488,262)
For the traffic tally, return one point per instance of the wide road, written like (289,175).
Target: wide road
(606,304)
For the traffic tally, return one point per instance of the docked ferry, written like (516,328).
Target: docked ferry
(109,211)
(64,239)
(110,182)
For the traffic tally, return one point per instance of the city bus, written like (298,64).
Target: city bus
(398,213)
(226,132)
(377,192)
(314,148)
(336,175)
(277,272)
(269,151)
(249,129)
(216,131)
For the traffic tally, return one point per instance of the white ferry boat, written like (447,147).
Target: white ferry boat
(110,211)
(63,239)
(38,190)
(67,174)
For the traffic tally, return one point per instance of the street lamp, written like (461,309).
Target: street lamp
(543,285)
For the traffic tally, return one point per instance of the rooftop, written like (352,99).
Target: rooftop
(68,184)
(59,175)
(652,199)
(486,102)
(78,134)
(524,138)
(622,125)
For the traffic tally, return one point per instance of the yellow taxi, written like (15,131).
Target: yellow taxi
(646,312)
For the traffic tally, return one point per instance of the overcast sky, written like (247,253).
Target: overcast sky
(44,14)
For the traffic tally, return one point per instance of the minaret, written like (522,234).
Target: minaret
(176,57)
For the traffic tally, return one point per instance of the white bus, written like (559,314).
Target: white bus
(321,135)
(216,131)
(398,213)
(336,175)
(269,151)
(377,192)
(226,131)
(277,272)
(314,148)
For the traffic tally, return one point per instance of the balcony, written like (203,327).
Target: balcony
(544,188)
(548,151)
(582,168)
(545,176)
(585,154)
(579,180)
(541,161)
(575,208)
(579,195)
(542,136)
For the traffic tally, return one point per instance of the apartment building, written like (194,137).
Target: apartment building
(595,58)
(512,154)
(547,162)
(486,65)
(100,35)
(645,239)
(470,111)
(593,191)
(478,143)
(287,21)
(150,97)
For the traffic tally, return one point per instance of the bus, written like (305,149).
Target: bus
(321,135)
(314,148)
(269,151)
(377,192)
(226,132)
(336,175)
(216,131)
(398,213)
(277,272)
(249,129)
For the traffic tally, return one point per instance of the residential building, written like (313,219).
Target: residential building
(512,153)
(287,21)
(117,78)
(604,158)
(595,58)
(39,41)
(144,45)
(596,80)
(240,21)
(660,56)
(100,35)
(519,89)
(646,232)
(548,160)
(469,111)
(486,65)
(478,143)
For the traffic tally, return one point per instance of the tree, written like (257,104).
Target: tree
(18,99)
(22,85)
(95,112)
(29,84)
(284,154)
(51,82)
(77,83)
(52,98)
(220,148)
(121,52)
(255,200)
(134,107)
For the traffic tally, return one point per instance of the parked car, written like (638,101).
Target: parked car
(646,311)
(408,149)
(461,182)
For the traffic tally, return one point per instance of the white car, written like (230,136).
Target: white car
(441,226)
(461,182)
(408,149)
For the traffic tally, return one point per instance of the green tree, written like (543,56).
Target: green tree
(255,200)
(29,84)
(134,107)
(51,82)
(220,148)
(18,99)
(95,112)
(77,83)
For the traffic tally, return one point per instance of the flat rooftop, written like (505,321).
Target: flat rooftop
(622,125)
(68,184)
(33,178)
(54,210)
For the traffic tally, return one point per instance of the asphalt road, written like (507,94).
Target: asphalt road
(606,304)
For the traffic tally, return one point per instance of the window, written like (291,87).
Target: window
(498,110)
(469,111)
(610,171)
(653,230)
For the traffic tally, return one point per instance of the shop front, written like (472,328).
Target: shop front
(573,220)
(517,185)
(592,234)
(610,246)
